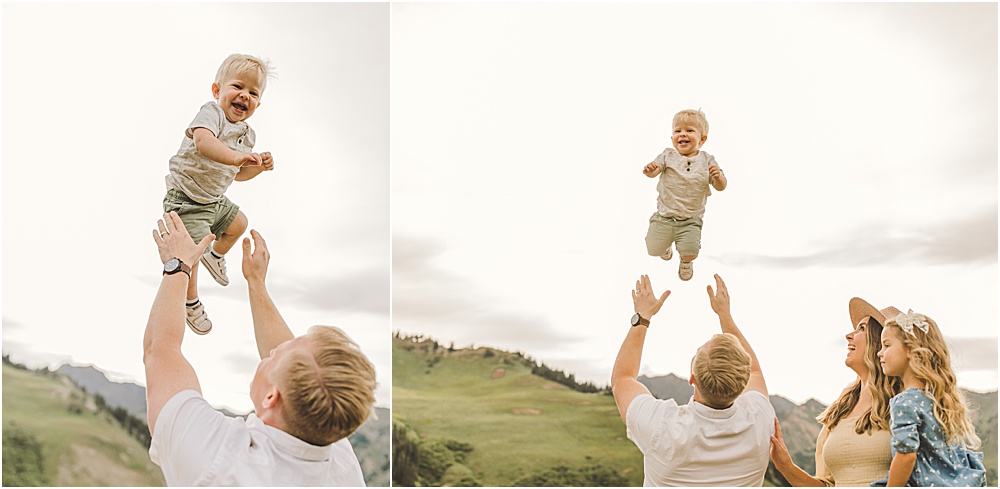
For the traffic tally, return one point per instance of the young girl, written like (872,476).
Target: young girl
(931,430)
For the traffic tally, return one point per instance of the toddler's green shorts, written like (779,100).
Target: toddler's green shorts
(664,231)
(201,219)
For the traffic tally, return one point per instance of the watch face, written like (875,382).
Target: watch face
(635,319)
(172,265)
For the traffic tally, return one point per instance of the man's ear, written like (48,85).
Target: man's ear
(691,380)
(272,399)
(215,91)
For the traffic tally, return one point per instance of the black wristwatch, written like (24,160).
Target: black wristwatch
(637,320)
(175,265)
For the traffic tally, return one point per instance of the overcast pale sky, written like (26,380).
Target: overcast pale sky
(860,143)
(96,98)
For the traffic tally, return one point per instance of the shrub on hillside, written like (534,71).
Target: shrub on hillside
(459,475)
(431,462)
(563,476)
(23,460)
(433,459)
(404,454)
(460,449)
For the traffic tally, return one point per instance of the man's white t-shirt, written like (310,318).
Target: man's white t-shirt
(195,445)
(695,445)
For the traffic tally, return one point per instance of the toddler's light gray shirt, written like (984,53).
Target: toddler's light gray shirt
(201,179)
(684,184)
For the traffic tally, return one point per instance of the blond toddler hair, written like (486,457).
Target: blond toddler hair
(695,117)
(721,369)
(326,395)
(237,63)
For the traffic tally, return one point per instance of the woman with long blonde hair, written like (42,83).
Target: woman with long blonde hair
(853,446)
(931,429)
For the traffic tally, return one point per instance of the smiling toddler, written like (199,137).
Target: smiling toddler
(216,150)
(687,175)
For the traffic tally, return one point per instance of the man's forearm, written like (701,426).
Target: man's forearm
(165,327)
(729,326)
(269,328)
(167,371)
(629,356)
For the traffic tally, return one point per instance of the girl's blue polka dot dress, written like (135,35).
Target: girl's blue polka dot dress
(915,429)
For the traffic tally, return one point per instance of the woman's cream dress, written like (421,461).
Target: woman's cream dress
(845,458)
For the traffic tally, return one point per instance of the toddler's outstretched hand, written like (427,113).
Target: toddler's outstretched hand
(714,172)
(267,161)
(650,169)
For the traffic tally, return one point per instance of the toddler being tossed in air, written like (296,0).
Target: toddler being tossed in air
(216,150)
(686,178)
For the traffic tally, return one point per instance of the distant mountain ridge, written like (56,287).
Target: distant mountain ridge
(126,395)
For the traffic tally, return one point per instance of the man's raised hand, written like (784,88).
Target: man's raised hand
(173,241)
(645,302)
(720,299)
(255,263)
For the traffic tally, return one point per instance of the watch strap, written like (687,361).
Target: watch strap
(182,267)
(640,322)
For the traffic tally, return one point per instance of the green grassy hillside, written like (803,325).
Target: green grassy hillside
(79,446)
(517,424)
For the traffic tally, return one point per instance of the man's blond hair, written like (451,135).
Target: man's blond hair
(721,370)
(695,117)
(328,394)
(237,64)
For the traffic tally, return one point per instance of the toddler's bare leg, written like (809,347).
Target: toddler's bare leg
(192,291)
(231,235)
(689,257)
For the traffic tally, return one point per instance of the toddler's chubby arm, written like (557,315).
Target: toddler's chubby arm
(719,181)
(249,171)
(901,469)
(209,146)
(651,170)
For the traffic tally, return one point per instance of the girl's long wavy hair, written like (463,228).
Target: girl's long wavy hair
(881,387)
(931,363)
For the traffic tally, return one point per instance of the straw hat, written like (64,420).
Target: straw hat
(859,309)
